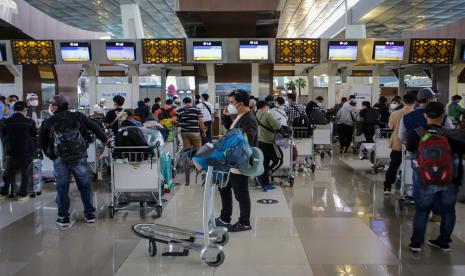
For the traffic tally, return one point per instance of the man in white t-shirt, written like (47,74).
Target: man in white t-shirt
(279,112)
(207,110)
(99,108)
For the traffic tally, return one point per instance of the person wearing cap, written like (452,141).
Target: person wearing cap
(345,120)
(427,195)
(32,101)
(99,108)
(416,119)
(60,122)
(18,133)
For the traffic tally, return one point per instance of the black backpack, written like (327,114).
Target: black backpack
(68,142)
(372,116)
(303,125)
(131,138)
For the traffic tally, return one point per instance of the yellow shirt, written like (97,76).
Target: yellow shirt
(394,124)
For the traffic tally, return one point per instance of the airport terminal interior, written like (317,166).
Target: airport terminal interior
(220,137)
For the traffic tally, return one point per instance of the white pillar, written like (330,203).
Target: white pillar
(255,80)
(310,83)
(401,82)
(17,72)
(91,71)
(455,71)
(375,90)
(134,79)
(132,21)
(211,85)
(332,70)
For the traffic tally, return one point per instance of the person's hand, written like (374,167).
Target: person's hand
(225,111)
(108,142)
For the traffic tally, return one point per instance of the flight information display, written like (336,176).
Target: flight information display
(75,51)
(121,51)
(2,52)
(342,50)
(388,50)
(253,50)
(207,50)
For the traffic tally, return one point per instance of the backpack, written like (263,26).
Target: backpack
(68,142)
(127,137)
(165,113)
(228,152)
(435,160)
(372,116)
(303,123)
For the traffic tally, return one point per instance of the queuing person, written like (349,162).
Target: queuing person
(18,133)
(197,99)
(176,102)
(116,116)
(166,115)
(12,99)
(142,111)
(238,115)
(190,120)
(293,110)
(345,120)
(455,110)
(99,108)
(369,117)
(383,109)
(156,105)
(270,101)
(32,101)
(267,128)
(72,158)
(426,196)
(338,106)
(319,102)
(253,104)
(279,111)
(148,103)
(396,104)
(315,114)
(395,142)
(207,110)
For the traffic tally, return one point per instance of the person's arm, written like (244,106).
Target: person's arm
(275,124)
(43,137)
(391,121)
(403,131)
(226,119)
(33,129)
(250,127)
(94,127)
(203,130)
(412,142)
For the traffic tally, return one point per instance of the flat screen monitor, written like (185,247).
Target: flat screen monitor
(121,51)
(253,50)
(2,52)
(75,51)
(388,50)
(207,50)
(342,50)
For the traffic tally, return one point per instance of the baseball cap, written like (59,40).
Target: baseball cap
(425,93)
(434,110)
(59,100)
(256,167)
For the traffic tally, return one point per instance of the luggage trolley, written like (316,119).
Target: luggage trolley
(323,139)
(212,238)
(406,180)
(285,167)
(97,157)
(357,140)
(172,149)
(136,170)
(382,155)
(303,141)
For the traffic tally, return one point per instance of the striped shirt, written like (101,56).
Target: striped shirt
(188,118)
(294,111)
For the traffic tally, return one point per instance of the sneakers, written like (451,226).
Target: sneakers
(414,248)
(387,191)
(63,221)
(90,218)
(436,244)
(435,218)
(23,198)
(220,223)
(238,227)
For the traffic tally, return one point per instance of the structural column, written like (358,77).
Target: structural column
(163,84)
(91,71)
(134,78)
(375,90)
(255,80)
(211,85)
(132,21)
(455,71)
(310,83)
(332,71)
(17,72)
(401,78)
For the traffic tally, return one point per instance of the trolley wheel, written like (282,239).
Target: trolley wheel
(141,204)
(159,211)
(219,260)
(111,211)
(313,168)
(224,239)
(291,182)
(322,155)
(152,248)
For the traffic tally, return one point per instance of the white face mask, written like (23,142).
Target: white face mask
(394,106)
(34,103)
(232,109)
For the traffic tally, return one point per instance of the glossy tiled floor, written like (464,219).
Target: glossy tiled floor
(333,222)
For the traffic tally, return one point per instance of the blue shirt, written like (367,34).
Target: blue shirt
(1,111)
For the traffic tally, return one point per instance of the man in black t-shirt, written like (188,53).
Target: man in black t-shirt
(190,120)
(116,116)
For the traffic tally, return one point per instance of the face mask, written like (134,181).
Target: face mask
(232,109)
(34,103)
(394,106)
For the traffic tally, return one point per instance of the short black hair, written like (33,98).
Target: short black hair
(205,96)
(19,106)
(409,98)
(280,100)
(13,96)
(351,97)
(157,99)
(241,96)
(397,97)
(187,100)
(269,98)
(169,102)
(343,99)
(319,98)
(291,97)
(262,104)
(434,110)
(119,100)
(366,103)
(197,97)
(146,100)
(456,98)
(382,99)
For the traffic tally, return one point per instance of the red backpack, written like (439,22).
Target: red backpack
(435,160)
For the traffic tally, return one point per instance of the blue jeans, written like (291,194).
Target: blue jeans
(425,196)
(417,184)
(80,171)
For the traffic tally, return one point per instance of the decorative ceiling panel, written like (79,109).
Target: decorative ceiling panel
(297,51)
(158,16)
(164,51)
(33,52)
(432,51)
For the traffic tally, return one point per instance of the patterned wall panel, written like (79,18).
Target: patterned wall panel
(33,51)
(164,51)
(297,50)
(432,51)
